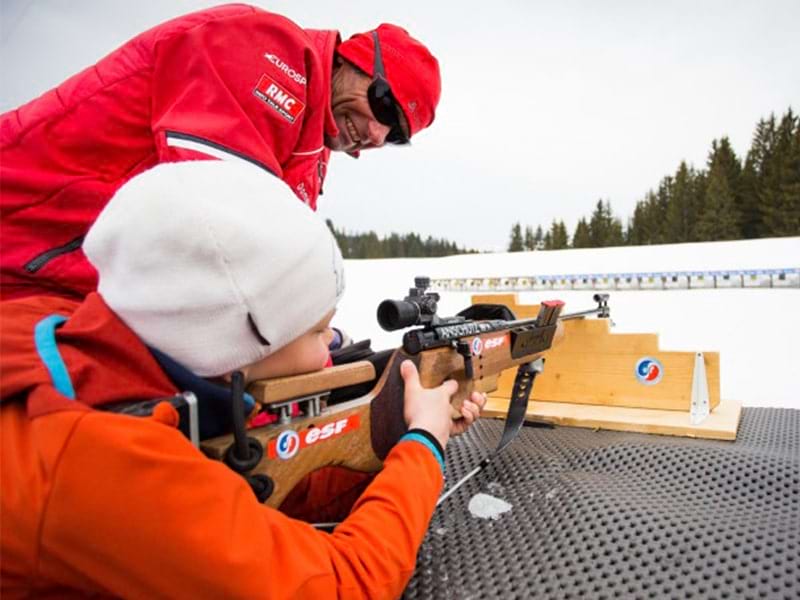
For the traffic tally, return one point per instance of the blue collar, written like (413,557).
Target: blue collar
(214,401)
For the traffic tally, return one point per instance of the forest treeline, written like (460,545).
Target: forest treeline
(731,198)
(369,245)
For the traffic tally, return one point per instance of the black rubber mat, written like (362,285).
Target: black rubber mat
(603,514)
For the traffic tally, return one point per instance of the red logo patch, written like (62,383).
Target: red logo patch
(289,443)
(268,90)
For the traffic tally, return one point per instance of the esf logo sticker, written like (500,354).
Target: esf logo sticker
(287,444)
(290,442)
(649,371)
(479,345)
(494,342)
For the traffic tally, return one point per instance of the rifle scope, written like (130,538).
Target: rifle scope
(397,314)
(418,308)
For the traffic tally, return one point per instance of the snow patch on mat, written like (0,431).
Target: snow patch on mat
(484,506)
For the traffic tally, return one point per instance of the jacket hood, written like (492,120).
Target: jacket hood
(82,349)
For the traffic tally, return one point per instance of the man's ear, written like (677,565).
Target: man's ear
(338,61)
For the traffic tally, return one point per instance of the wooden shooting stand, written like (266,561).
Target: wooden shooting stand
(589,380)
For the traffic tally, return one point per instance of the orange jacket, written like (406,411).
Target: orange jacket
(102,503)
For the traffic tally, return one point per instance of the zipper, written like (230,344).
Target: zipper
(45,257)
(321,174)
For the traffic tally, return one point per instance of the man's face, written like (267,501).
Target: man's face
(358,128)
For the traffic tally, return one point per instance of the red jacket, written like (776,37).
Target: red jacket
(102,503)
(230,82)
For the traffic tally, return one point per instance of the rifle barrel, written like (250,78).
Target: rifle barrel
(580,314)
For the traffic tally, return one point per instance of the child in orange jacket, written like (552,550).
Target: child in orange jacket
(236,275)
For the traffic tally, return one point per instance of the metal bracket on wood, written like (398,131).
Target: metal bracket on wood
(700,407)
(194,421)
(312,406)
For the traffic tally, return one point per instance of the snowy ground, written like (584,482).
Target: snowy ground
(756,331)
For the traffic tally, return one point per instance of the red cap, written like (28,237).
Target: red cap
(411,70)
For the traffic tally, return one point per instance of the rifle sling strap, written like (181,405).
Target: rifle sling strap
(518,405)
(523,384)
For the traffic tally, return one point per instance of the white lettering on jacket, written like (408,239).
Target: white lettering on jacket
(283,67)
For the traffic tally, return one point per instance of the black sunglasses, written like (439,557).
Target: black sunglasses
(381,101)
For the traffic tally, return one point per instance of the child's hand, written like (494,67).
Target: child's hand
(428,409)
(470,411)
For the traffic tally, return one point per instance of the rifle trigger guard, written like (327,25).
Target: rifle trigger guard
(463,349)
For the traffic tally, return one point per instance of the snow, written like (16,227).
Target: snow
(755,330)
(484,506)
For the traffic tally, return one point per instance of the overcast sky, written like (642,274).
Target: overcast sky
(546,106)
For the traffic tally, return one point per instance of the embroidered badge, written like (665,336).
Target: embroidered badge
(276,97)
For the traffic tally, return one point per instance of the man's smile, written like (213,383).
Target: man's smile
(352,131)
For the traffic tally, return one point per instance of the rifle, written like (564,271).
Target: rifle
(359,433)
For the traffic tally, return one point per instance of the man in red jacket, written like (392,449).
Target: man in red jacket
(232,82)
(239,277)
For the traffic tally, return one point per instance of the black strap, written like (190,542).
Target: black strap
(245,452)
(521,393)
(515,417)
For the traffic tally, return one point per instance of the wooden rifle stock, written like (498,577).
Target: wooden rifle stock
(358,434)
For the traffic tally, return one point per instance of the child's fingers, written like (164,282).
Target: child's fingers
(470,411)
(450,387)
(410,375)
(479,398)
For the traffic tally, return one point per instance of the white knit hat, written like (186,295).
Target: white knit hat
(215,263)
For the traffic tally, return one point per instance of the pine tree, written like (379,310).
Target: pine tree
(791,185)
(698,195)
(751,210)
(538,238)
(616,236)
(394,246)
(723,159)
(757,178)
(516,243)
(559,238)
(722,152)
(659,210)
(680,209)
(633,232)
(780,189)
(598,226)
(655,214)
(604,229)
(414,246)
(719,220)
(582,237)
(530,243)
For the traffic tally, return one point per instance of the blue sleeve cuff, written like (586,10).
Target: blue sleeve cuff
(427,440)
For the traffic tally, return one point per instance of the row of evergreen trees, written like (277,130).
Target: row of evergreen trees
(730,199)
(369,245)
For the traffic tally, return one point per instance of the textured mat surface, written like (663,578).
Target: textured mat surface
(603,514)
